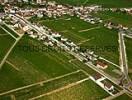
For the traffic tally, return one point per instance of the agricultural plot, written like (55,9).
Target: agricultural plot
(83,91)
(128,42)
(42,58)
(42,64)
(6,41)
(104,3)
(68,26)
(123,97)
(47,86)
(9,78)
(101,40)
(115,17)
(10,31)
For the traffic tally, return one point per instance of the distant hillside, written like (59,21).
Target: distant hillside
(105,3)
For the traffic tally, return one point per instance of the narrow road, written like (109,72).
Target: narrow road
(89,29)
(8,32)
(123,57)
(9,51)
(60,89)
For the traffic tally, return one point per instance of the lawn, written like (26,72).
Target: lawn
(87,90)
(103,41)
(116,17)
(128,42)
(104,3)
(6,41)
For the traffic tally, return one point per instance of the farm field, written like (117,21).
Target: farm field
(115,17)
(87,35)
(104,3)
(128,42)
(10,31)
(47,86)
(39,71)
(123,97)
(6,41)
(82,91)
(9,78)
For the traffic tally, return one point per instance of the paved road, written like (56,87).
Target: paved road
(123,57)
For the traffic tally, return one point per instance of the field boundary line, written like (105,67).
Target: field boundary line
(60,89)
(85,41)
(8,62)
(9,51)
(38,83)
(89,29)
(110,62)
(86,73)
(12,29)
(128,36)
(8,32)
(3,34)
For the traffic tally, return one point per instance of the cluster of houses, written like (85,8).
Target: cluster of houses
(122,10)
(52,9)
(7,22)
(124,29)
(49,39)
(104,83)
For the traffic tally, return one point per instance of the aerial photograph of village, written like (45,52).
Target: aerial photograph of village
(65,49)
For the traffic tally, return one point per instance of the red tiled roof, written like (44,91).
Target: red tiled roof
(97,76)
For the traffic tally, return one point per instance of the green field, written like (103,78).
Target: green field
(6,41)
(128,42)
(104,3)
(36,66)
(10,31)
(115,17)
(47,86)
(10,78)
(101,38)
(85,91)
(123,97)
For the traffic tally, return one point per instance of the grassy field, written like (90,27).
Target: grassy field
(68,28)
(35,66)
(6,41)
(123,97)
(9,78)
(115,17)
(128,42)
(10,31)
(104,3)
(95,39)
(47,86)
(85,91)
